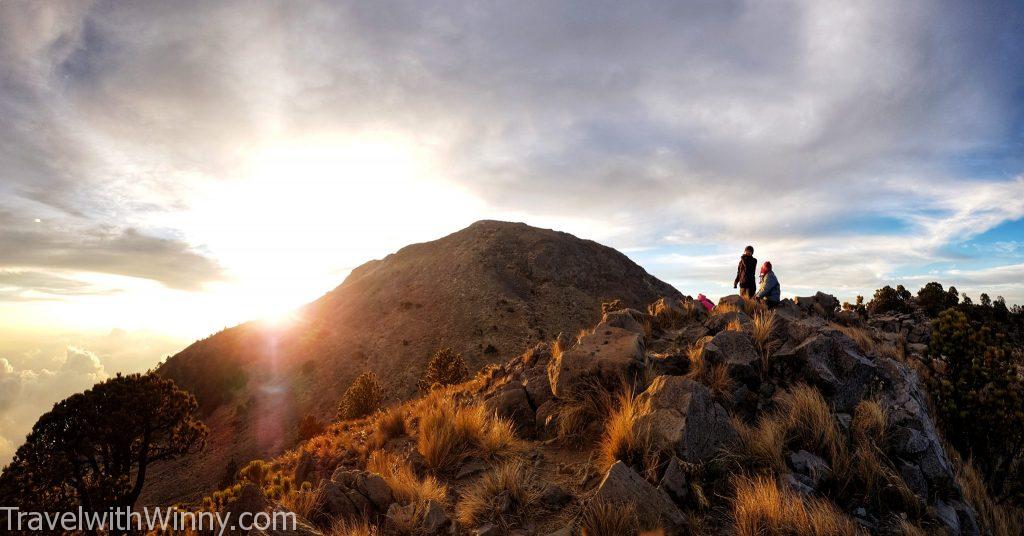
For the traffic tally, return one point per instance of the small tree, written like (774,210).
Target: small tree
(362,398)
(888,299)
(93,448)
(446,368)
(933,299)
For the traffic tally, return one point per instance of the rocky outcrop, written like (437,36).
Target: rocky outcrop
(831,363)
(623,486)
(354,494)
(684,419)
(608,353)
(821,304)
(735,349)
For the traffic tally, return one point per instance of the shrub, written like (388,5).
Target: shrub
(602,518)
(446,368)
(888,299)
(362,398)
(763,508)
(979,396)
(389,425)
(503,496)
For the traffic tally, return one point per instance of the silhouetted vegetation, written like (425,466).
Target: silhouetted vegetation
(890,300)
(93,448)
(362,398)
(309,427)
(932,299)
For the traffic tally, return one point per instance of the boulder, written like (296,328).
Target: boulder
(736,349)
(305,468)
(537,386)
(720,322)
(672,313)
(821,304)
(538,356)
(810,465)
(426,518)
(830,363)
(669,364)
(734,300)
(627,319)
(674,481)
(623,485)
(608,353)
(512,403)
(355,493)
(684,418)
(546,420)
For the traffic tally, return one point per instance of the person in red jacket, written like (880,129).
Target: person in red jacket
(745,278)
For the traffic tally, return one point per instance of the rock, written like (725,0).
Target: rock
(564,531)
(674,481)
(356,493)
(302,528)
(821,304)
(811,465)
(888,323)
(512,403)
(691,333)
(946,514)
(554,496)
(487,530)
(428,518)
(720,322)
(671,313)
(305,468)
(684,418)
(538,356)
(622,485)
(736,349)
(914,478)
(734,300)
(627,319)
(669,364)
(608,354)
(843,375)
(537,386)
(799,484)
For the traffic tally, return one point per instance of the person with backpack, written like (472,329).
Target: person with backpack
(745,273)
(770,290)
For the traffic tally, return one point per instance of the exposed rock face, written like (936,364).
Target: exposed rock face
(622,485)
(683,417)
(355,494)
(843,375)
(720,322)
(821,304)
(735,349)
(609,353)
(487,291)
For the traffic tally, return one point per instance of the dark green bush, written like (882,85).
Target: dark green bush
(890,300)
(446,368)
(362,398)
(933,299)
(979,395)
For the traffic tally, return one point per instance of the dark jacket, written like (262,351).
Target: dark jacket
(745,272)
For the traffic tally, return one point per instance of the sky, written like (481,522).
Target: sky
(171,168)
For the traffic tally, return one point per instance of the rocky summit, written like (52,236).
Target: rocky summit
(665,419)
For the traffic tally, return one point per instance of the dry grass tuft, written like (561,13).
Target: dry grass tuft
(389,425)
(860,336)
(762,508)
(602,518)
(998,519)
(628,438)
(870,471)
(760,448)
(449,433)
(715,377)
(812,425)
(761,332)
(306,502)
(588,403)
(345,527)
(503,496)
(734,325)
(724,308)
(404,484)
(752,306)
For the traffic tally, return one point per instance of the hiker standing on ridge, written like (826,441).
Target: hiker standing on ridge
(745,273)
(770,290)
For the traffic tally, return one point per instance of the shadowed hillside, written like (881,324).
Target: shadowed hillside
(486,291)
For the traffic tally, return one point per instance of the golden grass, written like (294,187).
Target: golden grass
(628,438)
(860,336)
(998,519)
(734,325)
(763,508)
(870,472)
(753,306)
(345,527)
(906,528)
(760,448)
(405,485)
(589,402)
(449,433)
(503,496)
(603,518)
(305,502)
(389,425)
(724,309)
(411,523)
(761,331)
